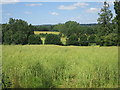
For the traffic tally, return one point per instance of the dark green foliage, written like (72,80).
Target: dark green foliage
(7,39)
(117,11)
(91,39)
(111,40)
(44,28)
(108,40)
(43,35)
(83,40)
(117,18)
(69,28)
(105,15)
(105,33)
(58,27)
(16,31)
(34,39)
(6,83)
(107,29)
(88,30)
(20,38)
(53,39)
(0,33)
(99,40)
(72,40)
(104,20)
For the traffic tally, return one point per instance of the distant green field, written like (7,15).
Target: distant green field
(51,66)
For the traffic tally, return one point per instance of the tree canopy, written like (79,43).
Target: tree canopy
(105,33)
(16,31)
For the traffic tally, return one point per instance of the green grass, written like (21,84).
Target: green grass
(51,66)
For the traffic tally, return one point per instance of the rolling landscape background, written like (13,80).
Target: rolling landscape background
(60,44)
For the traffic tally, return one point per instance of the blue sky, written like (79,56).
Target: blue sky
(52,12)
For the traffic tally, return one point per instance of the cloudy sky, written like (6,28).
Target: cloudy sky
(52,12)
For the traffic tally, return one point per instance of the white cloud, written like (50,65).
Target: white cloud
(34,4)
(80,4)
(27,12)
(73,6)
(54,13)
(92,10)
(62,7)
(9,1)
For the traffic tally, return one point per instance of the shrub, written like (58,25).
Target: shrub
(83,40)
(111,40)
(91,40)
(72,40)
(42,35)
(53,39)
(34,39)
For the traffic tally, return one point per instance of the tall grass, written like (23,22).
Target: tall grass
(50,66)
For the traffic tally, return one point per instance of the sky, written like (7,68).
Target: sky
(39,13)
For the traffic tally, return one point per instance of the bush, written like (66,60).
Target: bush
(34,39)
(91,39)
(72,40)
(83,40)
(53,39)
(108,40)
(111,40)
(42,35)
(19,38)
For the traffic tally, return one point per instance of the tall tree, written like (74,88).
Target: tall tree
(104,20)
(117,11)
(69,28)
(105,23)
(16,31)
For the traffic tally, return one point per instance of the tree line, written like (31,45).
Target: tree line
(105,33)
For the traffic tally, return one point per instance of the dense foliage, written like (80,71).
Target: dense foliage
(72,40)
(53,39)
(44,28)
(0,33)
(16,32)
(105,33)
(34,39)
(117,18)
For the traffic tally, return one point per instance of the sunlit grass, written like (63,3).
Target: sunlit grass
(37,66)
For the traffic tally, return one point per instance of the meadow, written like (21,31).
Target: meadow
(52,66)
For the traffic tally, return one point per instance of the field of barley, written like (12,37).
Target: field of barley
(46,32)
(52,66)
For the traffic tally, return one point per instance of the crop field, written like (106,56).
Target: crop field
(52,66)
(45,32)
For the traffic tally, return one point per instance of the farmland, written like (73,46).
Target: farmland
(52,66)
(45,32)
